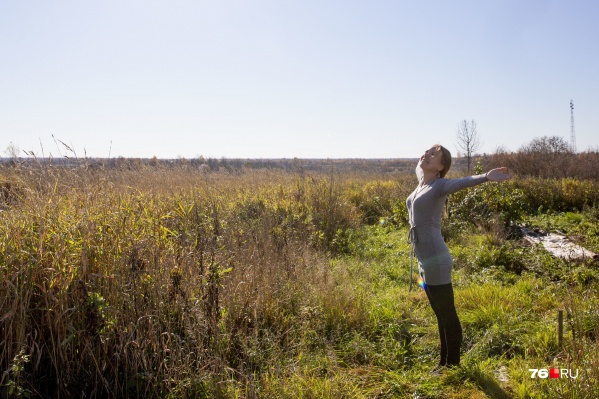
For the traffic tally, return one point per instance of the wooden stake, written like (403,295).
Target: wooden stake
(560,328)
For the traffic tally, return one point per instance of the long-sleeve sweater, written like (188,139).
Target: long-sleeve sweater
(425,208)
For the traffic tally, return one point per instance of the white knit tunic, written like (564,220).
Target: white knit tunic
(425,208)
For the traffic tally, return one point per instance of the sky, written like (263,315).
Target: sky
(286,78)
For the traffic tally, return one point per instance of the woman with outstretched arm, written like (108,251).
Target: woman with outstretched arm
(425,207)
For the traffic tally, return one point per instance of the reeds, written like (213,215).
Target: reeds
(121,283)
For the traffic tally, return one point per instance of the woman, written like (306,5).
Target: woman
(425,207)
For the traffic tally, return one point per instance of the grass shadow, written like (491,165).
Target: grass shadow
(486,383)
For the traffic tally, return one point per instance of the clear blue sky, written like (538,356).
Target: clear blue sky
(283,78)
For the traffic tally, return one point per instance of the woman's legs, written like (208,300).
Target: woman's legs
(450,331)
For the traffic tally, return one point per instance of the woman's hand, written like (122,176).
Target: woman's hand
(499,175)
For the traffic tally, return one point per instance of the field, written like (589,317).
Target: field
(184,281)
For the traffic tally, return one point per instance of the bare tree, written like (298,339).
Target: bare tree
(548,156)
(468,139)
(12,151)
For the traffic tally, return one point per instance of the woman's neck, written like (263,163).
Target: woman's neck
(428,178)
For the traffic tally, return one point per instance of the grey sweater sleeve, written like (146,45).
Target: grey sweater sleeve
(450,186)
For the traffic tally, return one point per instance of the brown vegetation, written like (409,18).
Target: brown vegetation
(547,157)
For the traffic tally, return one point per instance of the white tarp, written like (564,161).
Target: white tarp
(559,246)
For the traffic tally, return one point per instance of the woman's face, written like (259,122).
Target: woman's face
(432,160)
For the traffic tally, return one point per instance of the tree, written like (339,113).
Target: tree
(548,156)
(553,146)
(12,151)
(468,139)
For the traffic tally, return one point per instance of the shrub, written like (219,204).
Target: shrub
(487,203)
(558,195)
(379,200)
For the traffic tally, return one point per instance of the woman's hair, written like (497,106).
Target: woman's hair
(445,159)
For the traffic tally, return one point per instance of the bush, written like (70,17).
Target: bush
(380,200)
(486,204)
(558,195)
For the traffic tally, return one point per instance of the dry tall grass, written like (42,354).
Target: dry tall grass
(146,282)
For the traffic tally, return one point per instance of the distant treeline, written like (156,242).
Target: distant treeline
(546,157)
(400,165)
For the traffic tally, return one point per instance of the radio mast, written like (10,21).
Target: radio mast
(572,132)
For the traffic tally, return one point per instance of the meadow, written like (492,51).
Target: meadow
(183,281)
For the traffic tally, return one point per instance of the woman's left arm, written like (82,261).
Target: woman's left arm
(453,185)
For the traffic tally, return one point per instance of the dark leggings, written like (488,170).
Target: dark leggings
(450,330)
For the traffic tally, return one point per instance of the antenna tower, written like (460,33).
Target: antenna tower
(572,132)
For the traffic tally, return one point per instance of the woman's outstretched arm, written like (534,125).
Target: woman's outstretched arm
(498,174)
(450,186)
